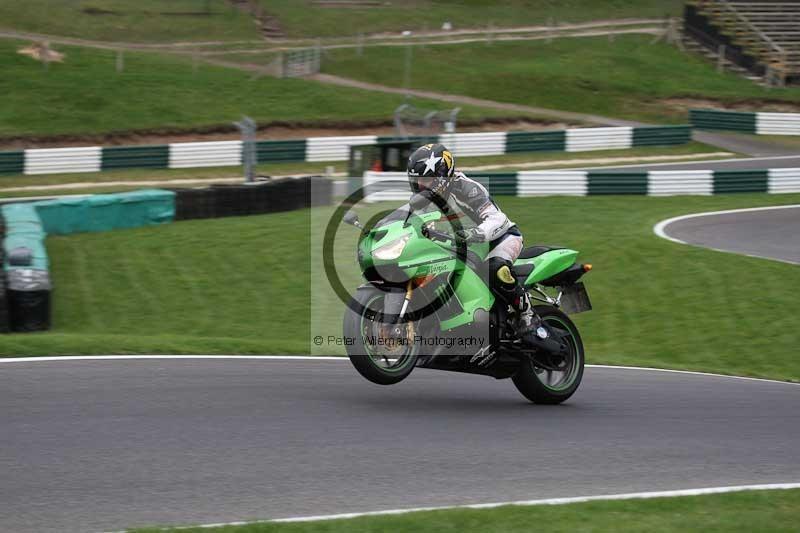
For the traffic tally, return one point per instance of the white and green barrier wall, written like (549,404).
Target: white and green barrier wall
(315,149)
(746,122)
(394,185)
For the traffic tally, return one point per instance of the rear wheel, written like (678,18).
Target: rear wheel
(556,380)
(381,352)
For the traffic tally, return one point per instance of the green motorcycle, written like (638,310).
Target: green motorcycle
(427,304)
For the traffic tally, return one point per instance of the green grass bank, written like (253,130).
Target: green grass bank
(302,20)
(134,21)
(217,20)
(86,95)
(627,77)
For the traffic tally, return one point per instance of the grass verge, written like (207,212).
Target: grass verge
(774,511)
(242,285)
(624,78)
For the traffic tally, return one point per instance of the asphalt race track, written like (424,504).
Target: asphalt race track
(103,445)
(768,233)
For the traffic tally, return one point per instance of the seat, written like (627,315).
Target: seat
(521,272)
(535,251)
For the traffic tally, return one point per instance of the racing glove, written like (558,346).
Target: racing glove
(470,235)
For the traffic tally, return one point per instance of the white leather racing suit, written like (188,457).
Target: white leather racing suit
(470,198)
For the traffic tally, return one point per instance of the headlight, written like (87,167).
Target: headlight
(391,251)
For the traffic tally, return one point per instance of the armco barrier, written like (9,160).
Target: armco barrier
(746,122)
(782,180)
(381,186)
(135,157)
(710,119)
(562,182)
(615,182)
(741,181)
(58,160)
(334,148)
(12,162)
(661,135)
(274,151)
(318,149)
(536,141)
(669,182)
(778,124)
(205,154)
(475,144)
(582,140)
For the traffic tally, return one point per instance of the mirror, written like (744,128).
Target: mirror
(351,218)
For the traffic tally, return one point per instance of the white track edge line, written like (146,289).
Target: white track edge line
(63,358)
(35,359)
(548,501)
(660,229)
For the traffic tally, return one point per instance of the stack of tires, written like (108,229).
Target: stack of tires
(29,299)
(25,266)
(253,198)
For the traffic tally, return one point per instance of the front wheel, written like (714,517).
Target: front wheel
(381,352)
(561,379)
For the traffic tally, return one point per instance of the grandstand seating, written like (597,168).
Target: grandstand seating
(761,36)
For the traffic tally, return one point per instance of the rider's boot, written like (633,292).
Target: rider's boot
(528,324)
(533,331)
(513,293)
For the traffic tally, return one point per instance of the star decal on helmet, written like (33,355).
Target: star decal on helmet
(430,163)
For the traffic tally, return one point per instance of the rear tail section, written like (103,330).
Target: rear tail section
(550,266)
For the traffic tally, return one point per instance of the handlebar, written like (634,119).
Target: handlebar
(435,235)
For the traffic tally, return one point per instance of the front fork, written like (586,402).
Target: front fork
(395,305)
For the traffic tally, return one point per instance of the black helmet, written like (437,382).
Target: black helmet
(431,160)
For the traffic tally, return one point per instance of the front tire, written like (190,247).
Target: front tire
(553,387)
(384,364)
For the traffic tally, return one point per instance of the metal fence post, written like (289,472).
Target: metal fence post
(721,58)
(317,57)
(407,72)
(247,126)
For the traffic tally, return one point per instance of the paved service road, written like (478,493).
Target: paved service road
(772,233)
(102,445)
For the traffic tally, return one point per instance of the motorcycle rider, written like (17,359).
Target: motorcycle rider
(432,167)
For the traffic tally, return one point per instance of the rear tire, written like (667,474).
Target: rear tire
(374,363)
(533,381)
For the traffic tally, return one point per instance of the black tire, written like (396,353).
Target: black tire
(528,381)
(361,355)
